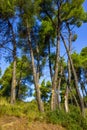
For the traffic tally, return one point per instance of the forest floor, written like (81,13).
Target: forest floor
(16,123)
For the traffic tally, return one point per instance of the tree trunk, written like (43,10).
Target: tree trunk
(69,73)
(55,76)
(38,94)
(74,97)
(75,77)
(66,100)
(50,67)
(59,83)
(13,85)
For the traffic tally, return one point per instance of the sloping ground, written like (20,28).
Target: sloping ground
(14,123)
(44,126)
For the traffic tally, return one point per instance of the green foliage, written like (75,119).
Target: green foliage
(45,90)
(23,74)
(74,38)
(83,55)
(7,8)
(76,60)
(71,121)
(73,12)
(28,10)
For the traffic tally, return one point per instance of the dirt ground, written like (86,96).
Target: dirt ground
(14,123)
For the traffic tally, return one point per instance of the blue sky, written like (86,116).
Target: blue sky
(82,34)
(82,38)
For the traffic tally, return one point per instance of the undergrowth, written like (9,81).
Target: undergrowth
(71,121)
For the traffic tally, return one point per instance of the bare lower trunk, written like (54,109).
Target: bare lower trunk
(66,100)
(38,94)
(59,84)
(13,87)
(55,77)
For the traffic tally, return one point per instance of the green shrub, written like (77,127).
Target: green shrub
(71,121)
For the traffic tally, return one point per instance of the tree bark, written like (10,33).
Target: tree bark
(38,94)
(13,85)
(66,100)
(19,83)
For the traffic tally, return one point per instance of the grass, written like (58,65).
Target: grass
(71,121)
(20,109)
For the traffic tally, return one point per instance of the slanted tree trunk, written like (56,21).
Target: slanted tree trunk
(69,66)
(83,87)
(67,88)
(13,85)
(85,90)
(38,94)
(59,84)
(50,67)
(75,77)
(69,73)
(74,97)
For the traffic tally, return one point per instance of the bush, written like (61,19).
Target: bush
(71,121)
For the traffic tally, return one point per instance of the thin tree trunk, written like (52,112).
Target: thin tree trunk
(85,90)
(38,94)
(59,84)
(83,87)
(82,91)
(66,100)
(19,83)
(74,97)
(38,64)
(13,85)
(75,77)
(69,66)
(69,78)
(50,67)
